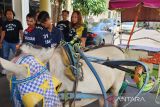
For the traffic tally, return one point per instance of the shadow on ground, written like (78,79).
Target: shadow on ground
(147,99)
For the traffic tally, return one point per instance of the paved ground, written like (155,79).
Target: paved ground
(146,100)
(4,93)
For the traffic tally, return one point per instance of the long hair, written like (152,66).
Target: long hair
(10,10)
(80,20)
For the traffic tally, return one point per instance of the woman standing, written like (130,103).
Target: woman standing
(77,32)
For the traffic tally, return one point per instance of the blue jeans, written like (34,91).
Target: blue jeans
(6,49)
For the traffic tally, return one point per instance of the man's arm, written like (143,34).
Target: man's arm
(3,33)
(84,37)
(21,39)
(2,36)
(20,27)
(83,41)
(0,30)
(21,36)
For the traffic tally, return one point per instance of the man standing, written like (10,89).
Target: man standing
(11,30)
(64,24)
(30,33)
(49,36)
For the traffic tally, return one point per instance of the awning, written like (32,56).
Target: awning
(150,9)
(115,4)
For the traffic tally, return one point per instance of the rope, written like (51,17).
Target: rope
(77,67)
(65,98)
(75,89)
(30,78)
(95,74)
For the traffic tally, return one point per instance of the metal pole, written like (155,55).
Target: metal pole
(135,21)
(96,75)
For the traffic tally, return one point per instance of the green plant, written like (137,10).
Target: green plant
(90,7)
(95,24)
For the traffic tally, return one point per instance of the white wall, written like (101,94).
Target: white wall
(25,11)
(21,9)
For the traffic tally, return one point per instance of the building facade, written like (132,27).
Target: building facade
(22,7)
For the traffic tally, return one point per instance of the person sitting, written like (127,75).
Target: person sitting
(78,32)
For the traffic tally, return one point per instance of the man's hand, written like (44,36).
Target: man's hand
(18,46)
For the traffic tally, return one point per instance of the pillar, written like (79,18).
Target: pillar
(69,7)
(45,5)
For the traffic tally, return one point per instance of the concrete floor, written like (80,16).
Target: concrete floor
(4,93)
(147,101)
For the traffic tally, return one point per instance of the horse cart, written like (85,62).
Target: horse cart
(140,57)
(123,65)
(141,11)
(136,68)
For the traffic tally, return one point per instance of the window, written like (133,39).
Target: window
(5,4)
(34,5)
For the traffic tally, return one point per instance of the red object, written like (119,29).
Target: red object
(93,35)
(29,29)
(154,60)
(115,4)
(150,9)
(136,18)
